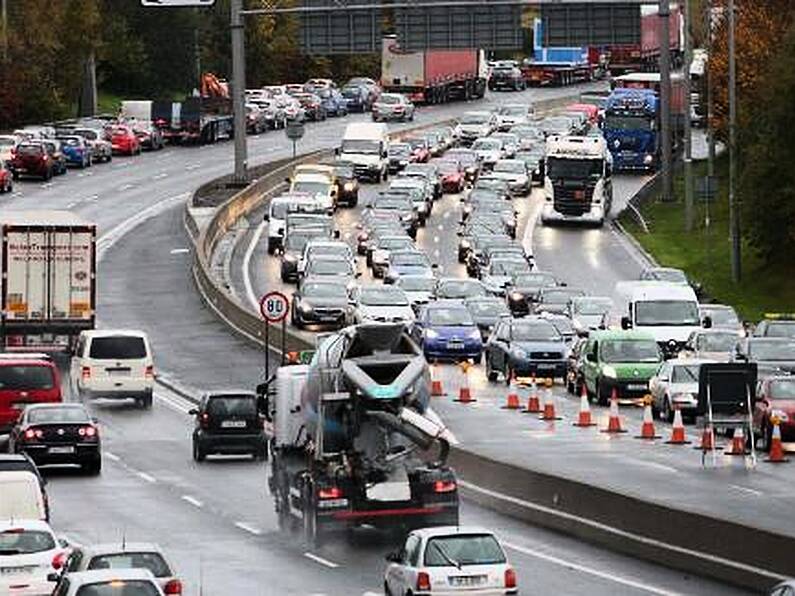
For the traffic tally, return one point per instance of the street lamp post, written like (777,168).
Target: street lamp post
(734,215)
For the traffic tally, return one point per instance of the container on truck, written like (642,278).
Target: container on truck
(578,180)
(645,55)
(433,76)
(48,263)
(354,441)
(558,66)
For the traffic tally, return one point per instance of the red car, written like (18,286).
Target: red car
(26,379)
(124,140)
(6,182)
(775,397)
(420,152)
(31,158)
(453,176)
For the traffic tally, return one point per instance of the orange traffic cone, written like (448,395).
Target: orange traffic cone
(436,383)
(512,403)
(614,424)
(647,430)
(708,442)
(584,418)
(549,404)
(738,443)
(776,455)
(464,393)
(533,403)
(678,431)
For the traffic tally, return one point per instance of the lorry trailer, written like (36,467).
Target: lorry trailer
(559,66)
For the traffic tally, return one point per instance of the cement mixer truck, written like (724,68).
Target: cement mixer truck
(354,441)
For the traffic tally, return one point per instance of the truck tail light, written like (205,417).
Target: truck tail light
(510,578)
(149,372)
(87,432)
(59,560)
(330,492)
(423,582)
(173,587)
(444,486)
(15,340)
(85,373)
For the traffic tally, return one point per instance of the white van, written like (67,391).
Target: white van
(668,311)
(113,364)
(365,145)
(22,496)
(276,215)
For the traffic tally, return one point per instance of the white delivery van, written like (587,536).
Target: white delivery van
(22,496)
(669,311)
(276,215)
(365,145)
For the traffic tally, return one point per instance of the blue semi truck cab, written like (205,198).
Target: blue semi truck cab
(631,128)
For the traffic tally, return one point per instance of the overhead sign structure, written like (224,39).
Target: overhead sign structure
(339,31)
(274,307)
(590,24)
(178,3)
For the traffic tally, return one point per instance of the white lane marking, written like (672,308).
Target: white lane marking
(159,176)
(624,581)
(124,187)
(179,251)
(72,204)
(321,560)
(177,404)
(193,166)
(192,501)
(621,533)
(247,528)
(656,466)
(147,477)
(112,456)
(745,489)
(252,298)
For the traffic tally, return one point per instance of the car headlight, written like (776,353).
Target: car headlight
(516,297)
(422,207)
(431,334)
(465,244)
(349,186)
(781,415)
(609,372)
(406,218)
(305,308)
(518,353)
(474,334)
(290,258)
(648,158)
(471,170)
(404,162)
(684,397)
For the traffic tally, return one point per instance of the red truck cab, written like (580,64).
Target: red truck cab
(31,158)
(26,379)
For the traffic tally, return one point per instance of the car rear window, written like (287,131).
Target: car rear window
(26,376)
(117,348)
(232,406)
(154,562)
(24,542)
(455,551)
(58,414)
(119,588)
(29,150)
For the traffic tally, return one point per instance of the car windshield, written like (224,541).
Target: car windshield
(296,242)
(154,562)
(57,414)
(772,350)
(6,142)
(448,167)
(510,167)
(487,145)
(127,587)
(781,329)
(20,377)
(399,150)
(395,243)
(321,290)
(534,280)
(782,389)
(723,317)
(330,250)
(534,331)
(628,123)
(592,306)
(232,405)
(513,111)
(556,124)
(410,258)
(29,150)
(556,297)
(389,99)
(19,541)
(71,141)
(351,92)
(669,275)
(685,373)
(310,187)
(461,289)
(488,308)
(508,267)
(466,159)
(117,348)
(417,284)
(630,350)
(329,267)
(450,317)
(666,313)
(417,143)
(573,169)
(563,325)
(474,119)
(491,184)
(343,171)
(393,203)
(716,342)
(361,146)
(383,296)
(463,549)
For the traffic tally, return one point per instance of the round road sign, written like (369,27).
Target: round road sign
(274,307)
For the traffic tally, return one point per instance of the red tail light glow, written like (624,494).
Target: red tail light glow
(331,492)
(173,587)
(204,420)
(510,578)
(85,373)
(149,372)
(444,486)
(32,434)
(59,560)
(423,582)
(88,432)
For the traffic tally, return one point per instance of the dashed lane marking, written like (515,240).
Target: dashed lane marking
(147,477)
(179,251)
(192,501)
(321,560)
(248,528)
(746,490)
(111,456)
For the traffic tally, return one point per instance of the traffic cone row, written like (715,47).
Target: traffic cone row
(584,418)
(647,430)
(464,392)
(738,443)
(614,422)
(776,455)
(708,442)
(678,436)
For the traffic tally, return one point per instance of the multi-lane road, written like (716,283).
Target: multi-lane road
(216,519)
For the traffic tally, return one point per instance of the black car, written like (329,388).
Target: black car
(526,288)
(772,355)
(507,77)
(357,98)
(347,183)
(293,249)
(229,422)
(55,434)
(525,347)
(486,311)
(556,300)
(399,156)
(321,304)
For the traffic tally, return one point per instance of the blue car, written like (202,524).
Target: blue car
(76,151)
(525,347)
(407,262)
(447,331)
(357,98)
(333,102)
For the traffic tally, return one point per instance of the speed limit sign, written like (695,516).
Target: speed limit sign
(274,307)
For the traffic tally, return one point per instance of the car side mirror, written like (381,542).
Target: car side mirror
(266,217)
(193,412)
(358,274)
(53,577)
(707,322)
(435,266)
(336,151)
(287,180)
(626,323)
(393,557)
(336,233)
(590,358)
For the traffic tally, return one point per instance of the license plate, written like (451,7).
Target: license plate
(467,580)
(545,366)
(61,450)
(455,345)
(118,372)
(636,387)
(233,424)
(17,570)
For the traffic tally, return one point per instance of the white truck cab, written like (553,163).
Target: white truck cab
(578,180)
(365,145)
(668,311)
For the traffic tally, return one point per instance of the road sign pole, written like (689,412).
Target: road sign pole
(688,124)
(267,350)
(239,92)
(734,215)
(284,339)
(664,32)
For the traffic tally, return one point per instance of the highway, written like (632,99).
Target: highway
(216,519)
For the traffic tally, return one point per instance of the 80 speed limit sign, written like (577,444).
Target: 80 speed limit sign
(274,307)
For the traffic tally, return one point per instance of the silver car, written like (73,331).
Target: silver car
(393,106)
(675,384)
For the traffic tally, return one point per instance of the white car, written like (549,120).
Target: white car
(324,248)
(515,173)
(489,151)
(419,289)
(109,582)
(382,303)
(514,114)
(113,364)
(450,560)
(7,144)
(474,125)
(30,553)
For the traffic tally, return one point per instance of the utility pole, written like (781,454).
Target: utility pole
(197,53)
(688,123)
(4,24)
(734,214)
(710,131)
(239,93)
(665,99)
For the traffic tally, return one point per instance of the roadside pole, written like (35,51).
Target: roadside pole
(734,215)
(710,131)
(688,123)
(664,32)
(4,25)
(240,177)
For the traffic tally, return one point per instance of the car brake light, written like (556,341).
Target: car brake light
(204,420)
(59,560)
(423,581)
(510,578)
(331,492)
(87,431)
(174,586)
(85,373)
(15,340)
(32,434)
(149,372)
(444,486)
